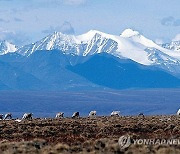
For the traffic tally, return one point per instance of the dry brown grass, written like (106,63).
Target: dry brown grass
(94,135)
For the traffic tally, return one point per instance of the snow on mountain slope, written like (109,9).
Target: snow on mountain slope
(138,38)
(129,45)
(6,47)
(174,45)
(55,41)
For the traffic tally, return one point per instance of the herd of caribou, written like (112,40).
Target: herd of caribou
(8,116)
(91,114)
(29,116)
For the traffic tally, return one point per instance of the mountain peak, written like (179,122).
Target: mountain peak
(129,33)
(88,36)
(6,47)
(57,34)
(94,31)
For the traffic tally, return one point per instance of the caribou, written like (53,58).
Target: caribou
(141,115)
(92,113)
(27,116)
(8,116)
(178,112)
(1,116)
(75,115)
(59,115)
(115,113)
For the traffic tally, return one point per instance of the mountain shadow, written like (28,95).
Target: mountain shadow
(108,71)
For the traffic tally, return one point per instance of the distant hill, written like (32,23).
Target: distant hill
(94,60)
(118,74)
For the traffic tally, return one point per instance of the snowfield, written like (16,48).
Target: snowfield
(129,45)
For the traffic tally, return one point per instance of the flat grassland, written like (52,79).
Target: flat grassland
(83,135)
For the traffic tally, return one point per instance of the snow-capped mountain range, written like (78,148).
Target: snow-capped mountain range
(129,45)
(47,60)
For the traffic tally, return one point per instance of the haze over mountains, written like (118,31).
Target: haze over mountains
(94,60)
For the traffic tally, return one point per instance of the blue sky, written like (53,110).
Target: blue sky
(23,21)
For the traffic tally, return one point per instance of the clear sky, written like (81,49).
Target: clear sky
(23,21)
